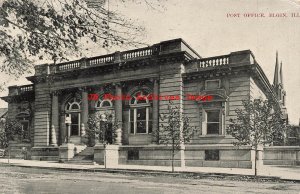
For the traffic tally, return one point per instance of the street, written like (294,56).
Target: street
(32,180)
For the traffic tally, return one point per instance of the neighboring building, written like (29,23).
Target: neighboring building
(167,68)
(3,114)
(293,136)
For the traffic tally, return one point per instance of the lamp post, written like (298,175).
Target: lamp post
(68,124)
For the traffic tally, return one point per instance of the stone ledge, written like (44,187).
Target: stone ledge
(216,146)
(152,162)
(282,148)
(45,158)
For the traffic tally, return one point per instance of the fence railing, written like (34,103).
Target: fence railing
(100,60)
(68,65)
(104,59)
(137,53)
(213,61)
(26,88)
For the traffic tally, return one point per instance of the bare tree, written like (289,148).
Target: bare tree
(176,130)
(32,30)
(258,123)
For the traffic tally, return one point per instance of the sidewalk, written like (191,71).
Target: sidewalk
(283,172)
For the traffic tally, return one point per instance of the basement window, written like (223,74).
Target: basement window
(133,155)
(212,155)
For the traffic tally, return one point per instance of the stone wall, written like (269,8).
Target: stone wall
(191,107)
(44,153)
(42,115)
(229,156)
(195,156)
(281,155)
(151,155)
(19,150)
(239,90)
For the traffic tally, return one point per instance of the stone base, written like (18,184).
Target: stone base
(66,152)
(150,155)
(19,150)
(99,152)
(112,156)
(194,156)
(45,153)
(107,155)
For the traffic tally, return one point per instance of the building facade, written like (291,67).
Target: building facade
(167,69)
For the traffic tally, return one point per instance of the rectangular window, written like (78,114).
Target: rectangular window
(212,155)
(133,154)
(140,120)
(75,120)
(212,84)
(150,121)
(213,122)
(132,121)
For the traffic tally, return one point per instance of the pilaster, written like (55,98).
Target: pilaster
(84,108)
(155,112)
(118,113)
(54,117)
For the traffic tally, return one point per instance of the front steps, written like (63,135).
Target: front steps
(83,155)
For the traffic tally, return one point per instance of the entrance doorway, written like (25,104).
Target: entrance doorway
(73,110)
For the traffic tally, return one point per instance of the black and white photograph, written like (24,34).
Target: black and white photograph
(149,96)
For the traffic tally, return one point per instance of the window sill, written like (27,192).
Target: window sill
(212,135)
(133,134)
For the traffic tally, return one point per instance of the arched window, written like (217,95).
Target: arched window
(73,104)
(140,117)
(73,109)
(106,103)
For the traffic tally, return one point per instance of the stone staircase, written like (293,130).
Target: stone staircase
(83,155)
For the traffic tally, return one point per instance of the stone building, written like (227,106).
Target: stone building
(169,68)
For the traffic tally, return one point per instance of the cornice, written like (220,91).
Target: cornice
(154,60)
(220,71)
(28,96)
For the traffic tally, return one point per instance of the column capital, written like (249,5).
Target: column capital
(107,88)
(154,80)
(117,84)
(84,89)
(56,92)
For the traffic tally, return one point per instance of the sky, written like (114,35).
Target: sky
(206,27)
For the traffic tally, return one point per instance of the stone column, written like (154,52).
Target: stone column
(155,133)
(54,119)
(63,128)
(84,108)
(118,113)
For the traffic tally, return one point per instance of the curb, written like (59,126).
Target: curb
(199,175)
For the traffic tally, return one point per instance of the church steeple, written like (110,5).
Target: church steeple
(278,86)
(276,73)
(280,75)
(278,82)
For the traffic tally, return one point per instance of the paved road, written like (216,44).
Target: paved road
(30,180)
